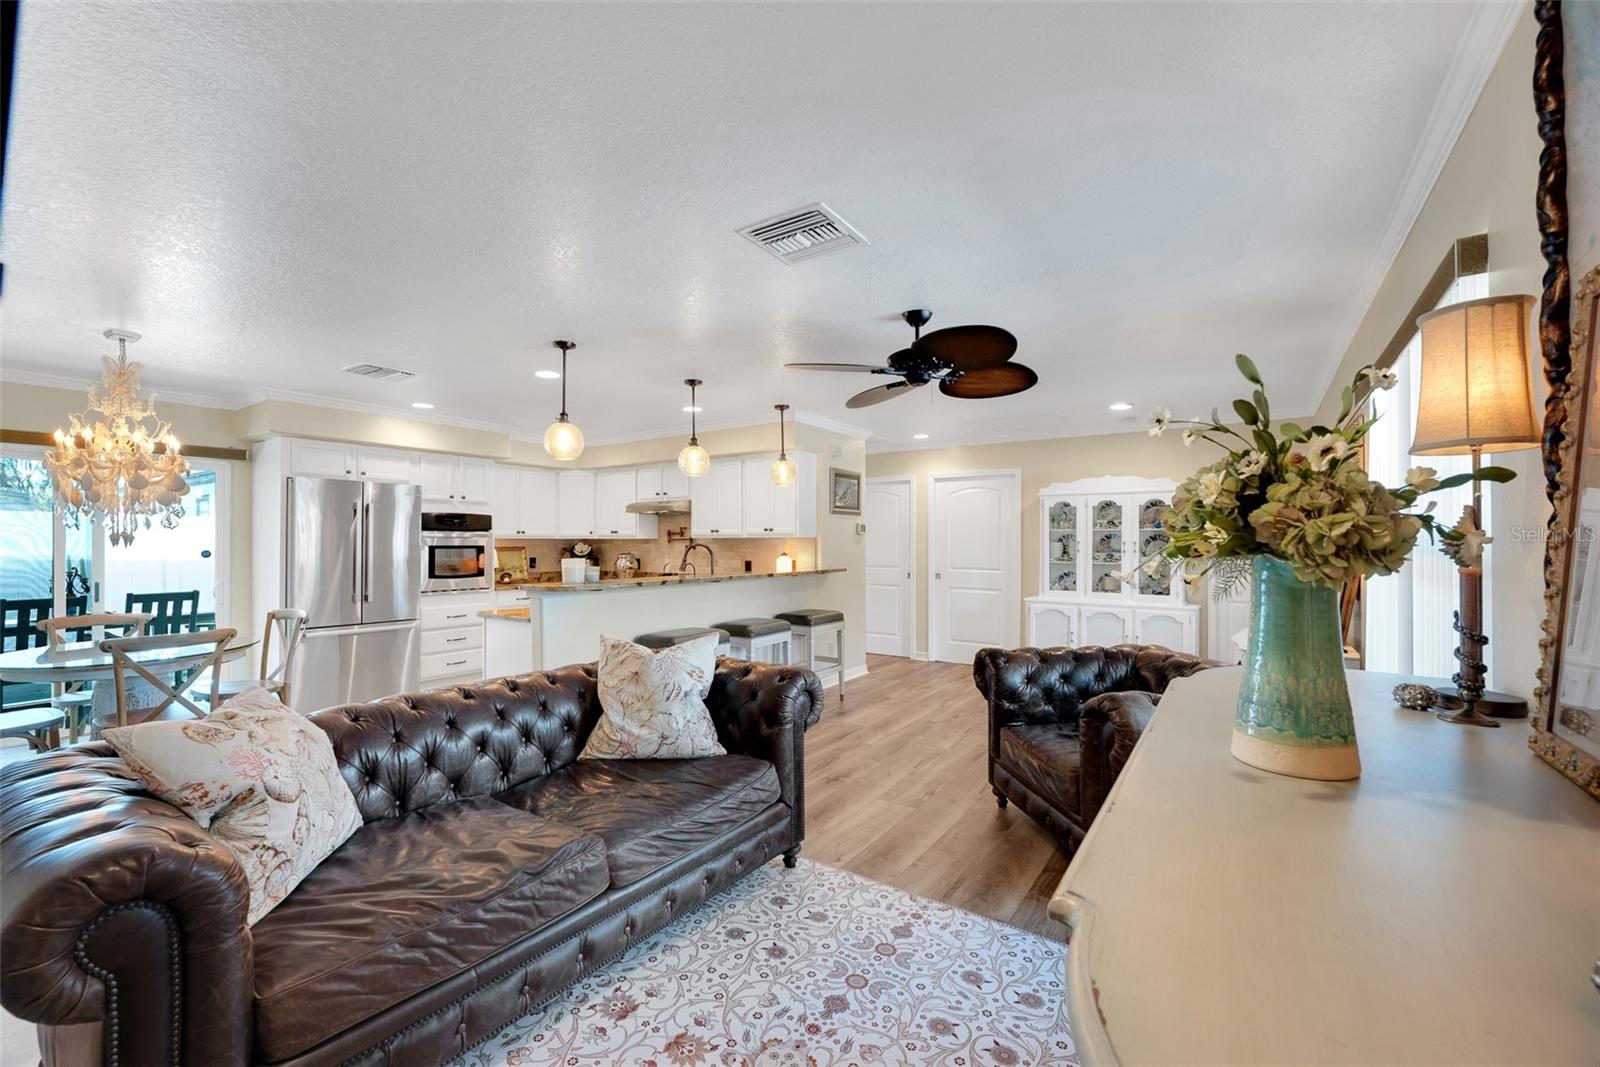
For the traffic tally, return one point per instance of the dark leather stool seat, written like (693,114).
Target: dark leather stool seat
(753,627)
(810,616)
(668,638)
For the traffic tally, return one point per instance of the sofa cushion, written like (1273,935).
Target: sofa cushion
(407,903)
(651,812)
(1045,759)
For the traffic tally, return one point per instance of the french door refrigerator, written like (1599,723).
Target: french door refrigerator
(353,563)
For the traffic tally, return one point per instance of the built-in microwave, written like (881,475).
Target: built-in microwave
(457,551)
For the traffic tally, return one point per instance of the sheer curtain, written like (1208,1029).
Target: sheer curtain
(1407,615)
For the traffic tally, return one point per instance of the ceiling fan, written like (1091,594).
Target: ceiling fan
(969,362)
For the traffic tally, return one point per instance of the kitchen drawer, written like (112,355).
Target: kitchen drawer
(511,598)
(457,640)
(445,611)
(466,663)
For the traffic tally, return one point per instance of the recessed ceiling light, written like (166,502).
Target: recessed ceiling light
(693,409)
(919,437)
(548,375)
(423,404)
(1122,405)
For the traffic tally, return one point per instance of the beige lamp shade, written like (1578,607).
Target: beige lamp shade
(1475,390)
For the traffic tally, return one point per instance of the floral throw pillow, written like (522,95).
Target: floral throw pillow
(259,776)
(654,701)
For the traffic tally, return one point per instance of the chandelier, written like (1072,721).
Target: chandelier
(123,468)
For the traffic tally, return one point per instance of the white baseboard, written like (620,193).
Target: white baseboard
(921,654)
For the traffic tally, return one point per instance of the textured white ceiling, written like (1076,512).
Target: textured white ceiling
(271,191)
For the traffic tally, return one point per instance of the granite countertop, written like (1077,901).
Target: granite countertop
(658,579)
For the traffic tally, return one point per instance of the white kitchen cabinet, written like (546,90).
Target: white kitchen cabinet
(1051,624)
(330,459)
(452,637)
(523,501)
(614,490)
(575,500)
(717,500)
(779,510)
(662,481)
(1106,626)
(458,480)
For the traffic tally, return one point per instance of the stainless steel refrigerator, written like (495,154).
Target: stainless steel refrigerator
(353,563)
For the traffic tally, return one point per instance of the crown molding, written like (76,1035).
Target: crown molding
(822,422)
(1487,32)
(359,407)
(881,446)
(79,384)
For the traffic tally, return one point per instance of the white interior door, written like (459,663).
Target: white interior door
(975,551)
(890,514)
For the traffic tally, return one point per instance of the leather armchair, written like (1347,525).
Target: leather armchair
(1063,722)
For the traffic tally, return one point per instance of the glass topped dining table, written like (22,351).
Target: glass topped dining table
(83,661)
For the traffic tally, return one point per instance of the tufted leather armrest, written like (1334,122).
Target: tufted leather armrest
(1109,725)
(763,710)
(121,913)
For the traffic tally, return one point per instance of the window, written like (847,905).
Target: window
(1408,615)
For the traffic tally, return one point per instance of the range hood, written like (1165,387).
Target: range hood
(659,506)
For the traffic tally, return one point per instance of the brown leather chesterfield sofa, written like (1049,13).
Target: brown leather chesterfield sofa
(493,870)
(1063,721)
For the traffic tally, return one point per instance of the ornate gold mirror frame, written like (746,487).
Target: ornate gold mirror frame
(1566,728)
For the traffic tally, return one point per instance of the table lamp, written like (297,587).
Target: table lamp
(1475,398)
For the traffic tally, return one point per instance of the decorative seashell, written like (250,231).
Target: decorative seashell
(1415,696)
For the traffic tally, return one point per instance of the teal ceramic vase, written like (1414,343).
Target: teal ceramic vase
(1294,703)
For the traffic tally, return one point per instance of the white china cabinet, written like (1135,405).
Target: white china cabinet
(1093,535)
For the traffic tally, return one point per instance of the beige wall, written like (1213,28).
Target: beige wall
(1487,186)
(1061,459)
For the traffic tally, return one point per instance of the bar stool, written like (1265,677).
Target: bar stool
(758,640)
(810,623)
(668,638)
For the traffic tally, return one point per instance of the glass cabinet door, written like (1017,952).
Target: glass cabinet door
(1107,562)
(1152,539)
(1061,546)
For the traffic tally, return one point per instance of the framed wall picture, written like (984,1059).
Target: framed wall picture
(844,491)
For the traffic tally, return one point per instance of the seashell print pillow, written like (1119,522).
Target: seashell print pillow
(654,701)
(256,774)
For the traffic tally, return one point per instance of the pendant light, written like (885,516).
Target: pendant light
(783,466)
(563,440)
(693,460)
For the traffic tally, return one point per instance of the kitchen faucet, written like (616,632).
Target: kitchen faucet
(711,558)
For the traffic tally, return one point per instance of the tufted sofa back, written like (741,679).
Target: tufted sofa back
(405,753)
(1044,685)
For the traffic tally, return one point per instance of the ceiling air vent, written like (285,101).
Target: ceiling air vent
(814,230)
(377,373)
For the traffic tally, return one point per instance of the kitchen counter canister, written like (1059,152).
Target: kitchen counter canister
(669,579)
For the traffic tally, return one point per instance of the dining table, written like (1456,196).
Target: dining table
(78,662)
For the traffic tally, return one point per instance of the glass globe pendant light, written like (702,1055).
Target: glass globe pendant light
(783,466)
(693,460)
(563,440)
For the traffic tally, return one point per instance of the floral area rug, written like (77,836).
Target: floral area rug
(813,967)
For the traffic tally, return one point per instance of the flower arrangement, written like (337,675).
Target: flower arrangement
(1299,494)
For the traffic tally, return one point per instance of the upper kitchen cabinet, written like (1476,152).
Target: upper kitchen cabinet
(575,504)
(524,502)
(614,490)
(779,510)
(662,481)
(716,500)
(330,459)
(456,480)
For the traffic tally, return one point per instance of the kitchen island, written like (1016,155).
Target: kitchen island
(564,623)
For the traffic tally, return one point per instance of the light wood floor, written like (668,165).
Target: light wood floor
(897,790)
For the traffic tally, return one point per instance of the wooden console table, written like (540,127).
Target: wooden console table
(1443,909)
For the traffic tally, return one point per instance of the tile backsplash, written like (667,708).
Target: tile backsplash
(731,552)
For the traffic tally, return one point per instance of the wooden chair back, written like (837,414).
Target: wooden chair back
(209,644)
(64,629)
(172,612)
(290,626)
